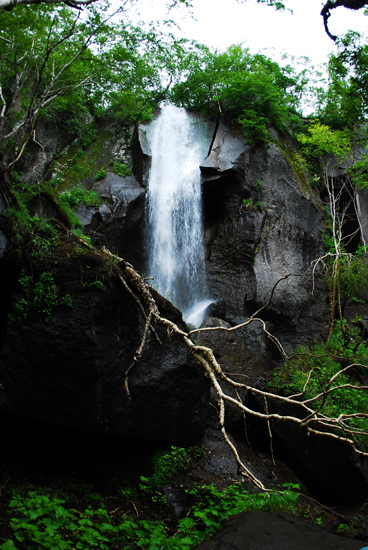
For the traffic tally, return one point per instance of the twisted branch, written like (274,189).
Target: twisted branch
(311,418)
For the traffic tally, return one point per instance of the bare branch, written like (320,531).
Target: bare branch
(308,417)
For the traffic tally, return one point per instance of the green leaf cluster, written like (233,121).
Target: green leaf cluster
(78,194)
(121,169)
(311,368)
(165,464)
(41,298)
(254,90)
(344,102)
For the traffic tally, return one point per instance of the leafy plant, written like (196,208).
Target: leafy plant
(41,298)
(248,203)
(77,195)
(258,186)
(212,505)
(166,464)
(96,285)
(42,521)
(101,174)
(79,233)
(253,90)
(121,169)
(312,367)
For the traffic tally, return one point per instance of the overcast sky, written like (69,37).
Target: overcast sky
(221,23)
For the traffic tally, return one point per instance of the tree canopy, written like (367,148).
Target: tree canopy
(254,90)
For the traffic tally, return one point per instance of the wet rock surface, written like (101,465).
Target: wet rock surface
(278,531)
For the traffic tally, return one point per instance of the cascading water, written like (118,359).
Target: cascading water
(176,252)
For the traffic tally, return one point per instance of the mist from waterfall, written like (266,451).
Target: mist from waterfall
(176,251)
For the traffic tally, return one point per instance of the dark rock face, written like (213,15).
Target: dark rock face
(277,531)
(216,309)
(70,371)
(120,214)
(245,353)
(277,233)
(51,139)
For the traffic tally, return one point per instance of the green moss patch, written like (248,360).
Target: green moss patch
(297,164)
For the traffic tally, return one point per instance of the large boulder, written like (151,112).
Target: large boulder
(278,531)
(70,369)
(243,354)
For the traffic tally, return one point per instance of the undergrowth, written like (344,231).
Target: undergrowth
(43,520)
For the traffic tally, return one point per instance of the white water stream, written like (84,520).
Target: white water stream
(176,252)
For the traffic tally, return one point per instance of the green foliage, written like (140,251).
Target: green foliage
(79,233)
(16,178)
(121,169)
(258,186)
(88,137)
(344,102)
(41,298)
(41,520)
(357,526)
(77,195)
(96,285)
(56,180)
(248,203)
(317,364)
(166,464)
(212,505)
(353,276)
(128,493)
(321,140)
(100,175)
(252,89)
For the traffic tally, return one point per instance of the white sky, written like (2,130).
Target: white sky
(221,23)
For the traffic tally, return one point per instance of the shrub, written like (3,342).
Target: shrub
(77,195)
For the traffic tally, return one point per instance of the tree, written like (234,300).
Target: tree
(326,10)
(54,62)
(311,415)
(253,90)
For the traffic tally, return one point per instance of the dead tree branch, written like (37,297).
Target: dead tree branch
(309,417)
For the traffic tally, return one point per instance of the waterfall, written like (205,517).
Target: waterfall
(175,229)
